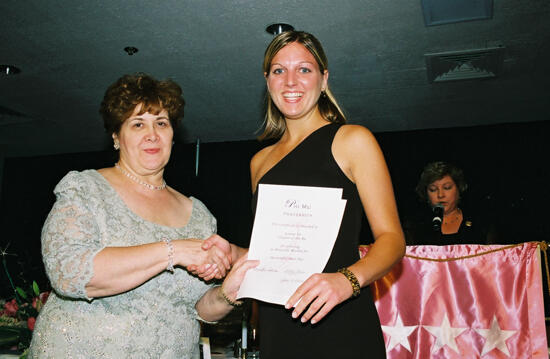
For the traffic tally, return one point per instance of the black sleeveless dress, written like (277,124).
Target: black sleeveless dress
(352,329)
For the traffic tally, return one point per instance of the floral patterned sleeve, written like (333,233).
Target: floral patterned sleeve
(70,238)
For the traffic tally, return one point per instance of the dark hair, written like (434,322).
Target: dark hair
(437,170)
(122,97)
(275,125)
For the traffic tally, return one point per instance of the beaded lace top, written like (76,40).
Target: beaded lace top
(155,320)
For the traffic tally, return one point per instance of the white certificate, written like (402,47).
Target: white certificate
(294,231)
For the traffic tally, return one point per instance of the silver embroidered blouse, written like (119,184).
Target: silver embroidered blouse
(155,320)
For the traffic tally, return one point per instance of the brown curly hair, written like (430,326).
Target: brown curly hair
(437,170)
(129,91)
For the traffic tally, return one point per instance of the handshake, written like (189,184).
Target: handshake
(214,258)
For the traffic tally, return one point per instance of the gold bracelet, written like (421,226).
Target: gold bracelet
(352,279)
(229,301)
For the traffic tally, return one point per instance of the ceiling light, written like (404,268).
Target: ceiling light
(9,70)
(276,29)
(130,50)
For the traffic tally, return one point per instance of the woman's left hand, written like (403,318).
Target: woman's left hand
(233,281)
(321,292)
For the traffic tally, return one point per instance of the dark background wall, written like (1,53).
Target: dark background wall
(506,167)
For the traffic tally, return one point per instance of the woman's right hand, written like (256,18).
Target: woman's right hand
(211,262)
(207,264)
(215,240)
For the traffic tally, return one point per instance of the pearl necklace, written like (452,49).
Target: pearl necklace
(135,179)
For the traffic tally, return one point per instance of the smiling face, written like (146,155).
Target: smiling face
(295,82)
(444,192)
(145,141)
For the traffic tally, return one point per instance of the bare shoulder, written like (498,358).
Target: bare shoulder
(355,148)
(257,163)
(180,197)
(354,138)
(178,202)
(106,172)
(110,174)
(259,158)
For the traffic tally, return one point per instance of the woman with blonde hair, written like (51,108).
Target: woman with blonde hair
(332,314)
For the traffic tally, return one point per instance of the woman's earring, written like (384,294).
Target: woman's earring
(116,145)
(323,93)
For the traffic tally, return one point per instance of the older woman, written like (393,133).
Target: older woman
(332,314)
(117,242)
(443,185)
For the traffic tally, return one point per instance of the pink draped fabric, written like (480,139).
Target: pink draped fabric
(485,306)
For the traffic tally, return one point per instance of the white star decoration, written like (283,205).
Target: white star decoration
(445,335)
(495,338)
(399,334)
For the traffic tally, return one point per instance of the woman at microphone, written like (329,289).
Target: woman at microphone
(444,221)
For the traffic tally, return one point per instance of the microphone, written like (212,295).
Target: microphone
(438,217)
